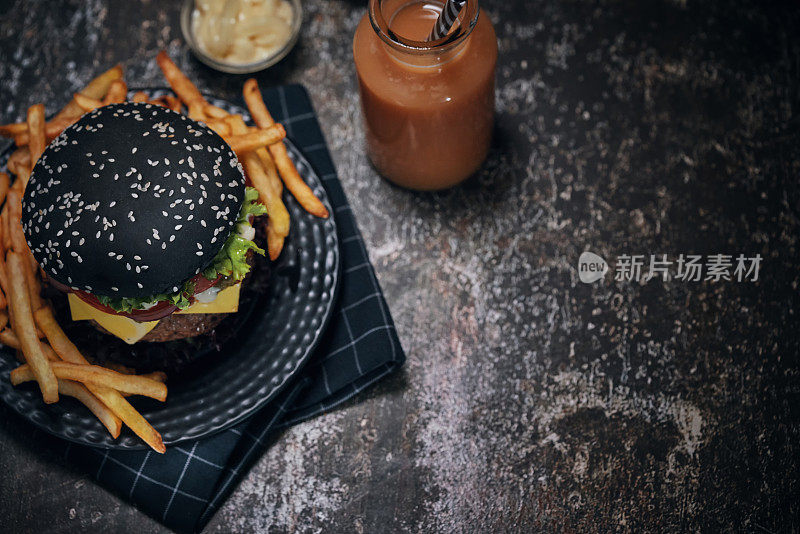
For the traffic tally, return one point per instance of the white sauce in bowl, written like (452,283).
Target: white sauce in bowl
(240,32)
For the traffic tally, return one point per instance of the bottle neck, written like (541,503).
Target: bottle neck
(391,18)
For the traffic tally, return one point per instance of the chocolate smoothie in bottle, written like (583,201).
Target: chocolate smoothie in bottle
(428,107)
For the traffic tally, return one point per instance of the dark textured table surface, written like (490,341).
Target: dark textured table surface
(530,401)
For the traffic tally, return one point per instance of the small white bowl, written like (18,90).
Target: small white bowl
(240,68)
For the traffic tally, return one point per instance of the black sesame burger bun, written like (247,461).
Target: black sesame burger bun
(131,201)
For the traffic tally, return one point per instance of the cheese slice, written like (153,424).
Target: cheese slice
(131,331)
(124,328)
(227,301)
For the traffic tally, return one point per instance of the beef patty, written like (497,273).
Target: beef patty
(179,326)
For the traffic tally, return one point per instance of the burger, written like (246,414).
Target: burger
(142,216)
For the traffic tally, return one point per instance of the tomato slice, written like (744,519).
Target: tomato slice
(159,311)
(201,283)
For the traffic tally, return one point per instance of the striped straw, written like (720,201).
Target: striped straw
(446,19)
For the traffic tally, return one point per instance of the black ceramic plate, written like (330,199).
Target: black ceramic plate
(283,312)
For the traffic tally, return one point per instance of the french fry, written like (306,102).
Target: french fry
(94,374)
(255,139)
(117,92)
(287,170)
(5,286)
(35,268)
(48,352)
(278,215)
(236,123)
(6,229)
(274,242)
(255,103)
(14,203)
(52,129)
(58,339)
(196,112)
(123,410)
(35,283)
(182,86)
(25,329)
(80,392)
(5,183)
(173,103)
(118,367)
(271,196)
(272,171)
(294,183)
(21,157)
(158,376)
(133,419)
(23,175)
(36,132)
(12,166)
(13,129)
(139,97)
(97,89)
(215,112)
(274,239)
(10,339)
(34,289)
(87,103)
(3,276)
(222,128)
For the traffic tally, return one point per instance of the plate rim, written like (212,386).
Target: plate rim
(249,411)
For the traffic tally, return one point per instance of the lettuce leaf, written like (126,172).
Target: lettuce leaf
(230,262)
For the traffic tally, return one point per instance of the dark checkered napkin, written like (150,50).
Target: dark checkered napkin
(184,487)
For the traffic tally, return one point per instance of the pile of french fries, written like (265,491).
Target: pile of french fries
(27,321)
